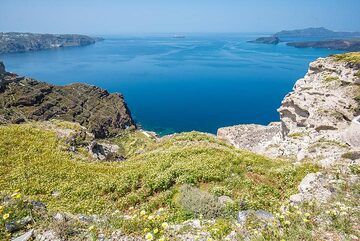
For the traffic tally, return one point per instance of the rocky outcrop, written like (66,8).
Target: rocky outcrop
(23,42)
(317,119)
(23,99)
(251,137)
(266,40)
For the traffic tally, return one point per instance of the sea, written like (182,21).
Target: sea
(173,84)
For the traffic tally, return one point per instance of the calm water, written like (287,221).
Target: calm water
(201,82)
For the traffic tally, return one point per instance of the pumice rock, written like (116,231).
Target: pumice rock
(313,117)
(352,134)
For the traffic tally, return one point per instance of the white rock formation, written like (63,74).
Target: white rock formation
(315,118)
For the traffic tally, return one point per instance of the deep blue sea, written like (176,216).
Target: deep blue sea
(201,82)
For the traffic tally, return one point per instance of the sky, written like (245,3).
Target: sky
(176,16)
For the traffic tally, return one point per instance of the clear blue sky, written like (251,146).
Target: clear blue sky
(156,16)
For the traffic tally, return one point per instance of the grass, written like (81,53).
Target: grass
(351,57)
(35,162)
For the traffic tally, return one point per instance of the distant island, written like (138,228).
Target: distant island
(348,41)
(266,40)
(22,42)
(348,45)
(315,32)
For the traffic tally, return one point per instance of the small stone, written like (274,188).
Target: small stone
(25,237)
(48,235)
(59,217)
(225,200)
(38,205)
(55,193)
(242,216)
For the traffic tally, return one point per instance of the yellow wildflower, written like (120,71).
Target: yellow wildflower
(91,228)
(164,225)
(6,216)
(149,236)
(156,231)
(298,212)
(146,230)
(142,213)
(287,222)
(151,217)
(305,220)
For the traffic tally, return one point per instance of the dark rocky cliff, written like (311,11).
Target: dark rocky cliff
(23,99)
(23,42)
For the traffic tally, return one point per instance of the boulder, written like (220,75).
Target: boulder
(104,151)
(259,214)
(251,137)
(352,134)
(314,186)
(25,237)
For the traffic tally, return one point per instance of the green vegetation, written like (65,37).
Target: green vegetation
(358,74)
(331,79)
(133,142)
(298,135)
(351,57)
(35,161)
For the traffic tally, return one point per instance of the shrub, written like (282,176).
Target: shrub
(199,202)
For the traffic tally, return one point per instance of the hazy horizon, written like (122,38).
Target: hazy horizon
(112,17)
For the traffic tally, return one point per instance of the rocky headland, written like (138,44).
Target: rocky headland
(23,99)
(22,42)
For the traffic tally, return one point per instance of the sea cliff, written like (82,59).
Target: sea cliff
(22,42)
(24,99)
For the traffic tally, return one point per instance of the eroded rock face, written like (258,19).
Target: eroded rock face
(23,98)
(315,118)
(323,100)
